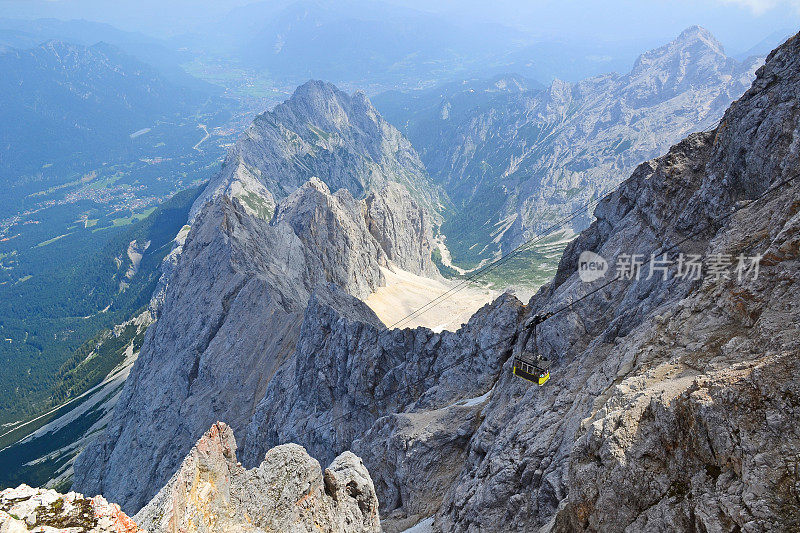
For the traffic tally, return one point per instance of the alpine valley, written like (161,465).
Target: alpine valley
(329,297)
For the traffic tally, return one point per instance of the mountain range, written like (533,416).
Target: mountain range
(513,159)
(671,399)
(60,98)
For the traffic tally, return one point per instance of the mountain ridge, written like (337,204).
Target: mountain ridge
(97,93)
(660,385)
(248,273)
(534,157)
(321,132)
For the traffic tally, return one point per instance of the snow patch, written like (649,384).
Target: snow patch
(425,526)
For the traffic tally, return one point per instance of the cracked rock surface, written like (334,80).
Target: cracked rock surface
(26,509)
(287,491)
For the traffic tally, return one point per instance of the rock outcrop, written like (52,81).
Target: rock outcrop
(287,491)
(332,230)
(25,509)
(325,133)
(402,228)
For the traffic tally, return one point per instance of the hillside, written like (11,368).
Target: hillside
(64,102)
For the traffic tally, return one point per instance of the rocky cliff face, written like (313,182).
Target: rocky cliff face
(402,228)
(287,491)
(533,157)
(672,402)
(654,417)
(230,318)
(353,384)
(324,133)
(211,492)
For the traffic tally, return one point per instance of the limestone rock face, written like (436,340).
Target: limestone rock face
(319,132)
(231,315)
(287,491)
(233,294)
(391,396)
(332,227)
(25,509)
(672,402)
(402,228)
(716,447)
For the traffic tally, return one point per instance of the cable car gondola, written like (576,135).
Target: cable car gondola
(530,365)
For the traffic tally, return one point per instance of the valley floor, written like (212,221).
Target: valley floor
(404,293)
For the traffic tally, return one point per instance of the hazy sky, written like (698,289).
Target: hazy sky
(739,24)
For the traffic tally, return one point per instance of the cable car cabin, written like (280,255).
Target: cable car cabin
(529,367)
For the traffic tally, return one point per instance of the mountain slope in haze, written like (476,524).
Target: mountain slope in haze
(63,102)
(325,133)
(93,142)
(514,162)
(672,401)
(23,34)
(355,43)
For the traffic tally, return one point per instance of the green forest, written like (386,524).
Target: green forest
(55,316)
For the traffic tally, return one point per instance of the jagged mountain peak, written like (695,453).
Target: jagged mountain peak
(323,89)
(314,184)
(213,492)
(554,150)
(239,291)
(323,132)
(694,46)
(324,103)
(699,33)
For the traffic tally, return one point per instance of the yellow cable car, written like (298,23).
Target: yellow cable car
(530,365)
(534,370)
